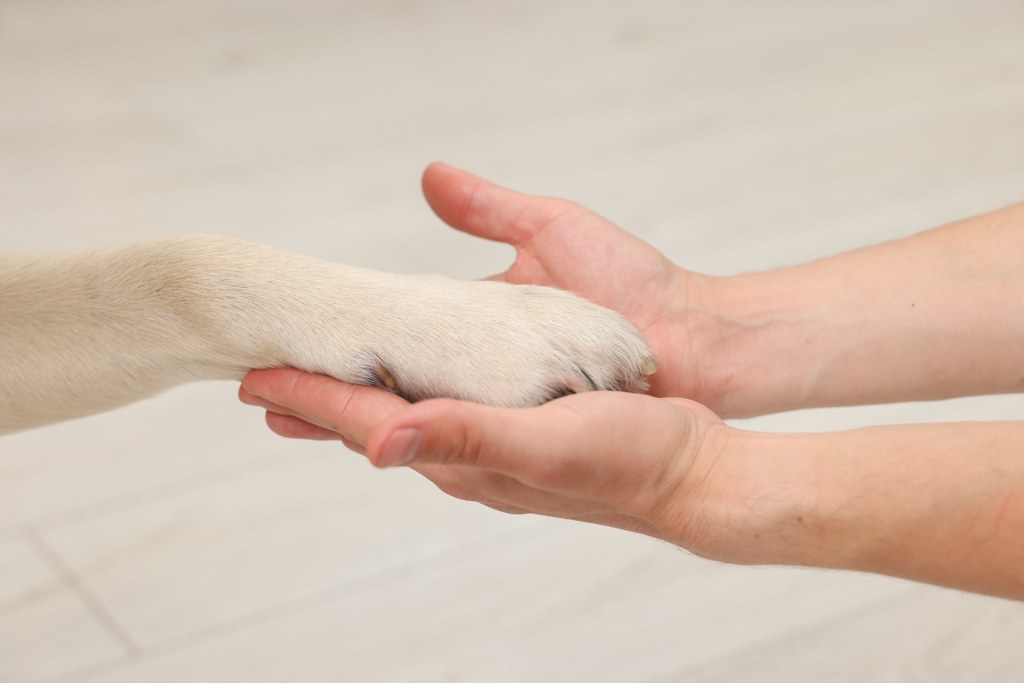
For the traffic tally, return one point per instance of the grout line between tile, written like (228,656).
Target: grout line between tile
(85,596)
(295,606)
(145,494)
(754,647)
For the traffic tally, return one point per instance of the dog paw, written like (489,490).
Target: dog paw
(499,344)
(243,305)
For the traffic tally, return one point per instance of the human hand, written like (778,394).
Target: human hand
(561,244)
(622,460)
(670,469)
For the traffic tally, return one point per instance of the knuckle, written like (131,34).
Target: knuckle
(461,443)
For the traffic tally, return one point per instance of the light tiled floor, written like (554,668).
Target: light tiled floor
(178,540)
(45,628)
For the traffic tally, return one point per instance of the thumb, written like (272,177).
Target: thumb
(449,432)
(596,439)
(481,208)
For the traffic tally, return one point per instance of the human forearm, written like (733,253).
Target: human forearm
(941,504)
(936,315)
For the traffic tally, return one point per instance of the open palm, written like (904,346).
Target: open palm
(564,245)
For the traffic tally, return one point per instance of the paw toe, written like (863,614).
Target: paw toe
(380,375)
(580,381)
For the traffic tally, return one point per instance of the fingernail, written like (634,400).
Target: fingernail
(248,398)
(401,448)
(245,387)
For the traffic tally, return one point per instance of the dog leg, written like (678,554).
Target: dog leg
(87,331)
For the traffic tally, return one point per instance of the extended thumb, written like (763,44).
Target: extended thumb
(448,432)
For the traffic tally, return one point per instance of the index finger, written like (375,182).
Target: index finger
(351,410)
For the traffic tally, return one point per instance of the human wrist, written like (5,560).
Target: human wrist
(934,503)
(757,501)
(774,499)
(759,344)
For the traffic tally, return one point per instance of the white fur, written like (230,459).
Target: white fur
(87,331)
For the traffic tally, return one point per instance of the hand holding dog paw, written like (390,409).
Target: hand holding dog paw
(622,460)
(564,245)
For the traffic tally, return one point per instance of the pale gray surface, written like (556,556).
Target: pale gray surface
(178,540)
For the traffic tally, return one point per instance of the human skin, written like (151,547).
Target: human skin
(936,315)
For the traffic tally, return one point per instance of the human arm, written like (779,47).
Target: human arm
(942,504)
(936,315)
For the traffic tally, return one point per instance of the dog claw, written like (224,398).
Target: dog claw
(384,376)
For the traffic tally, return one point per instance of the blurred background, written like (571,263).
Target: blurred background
(179,540)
